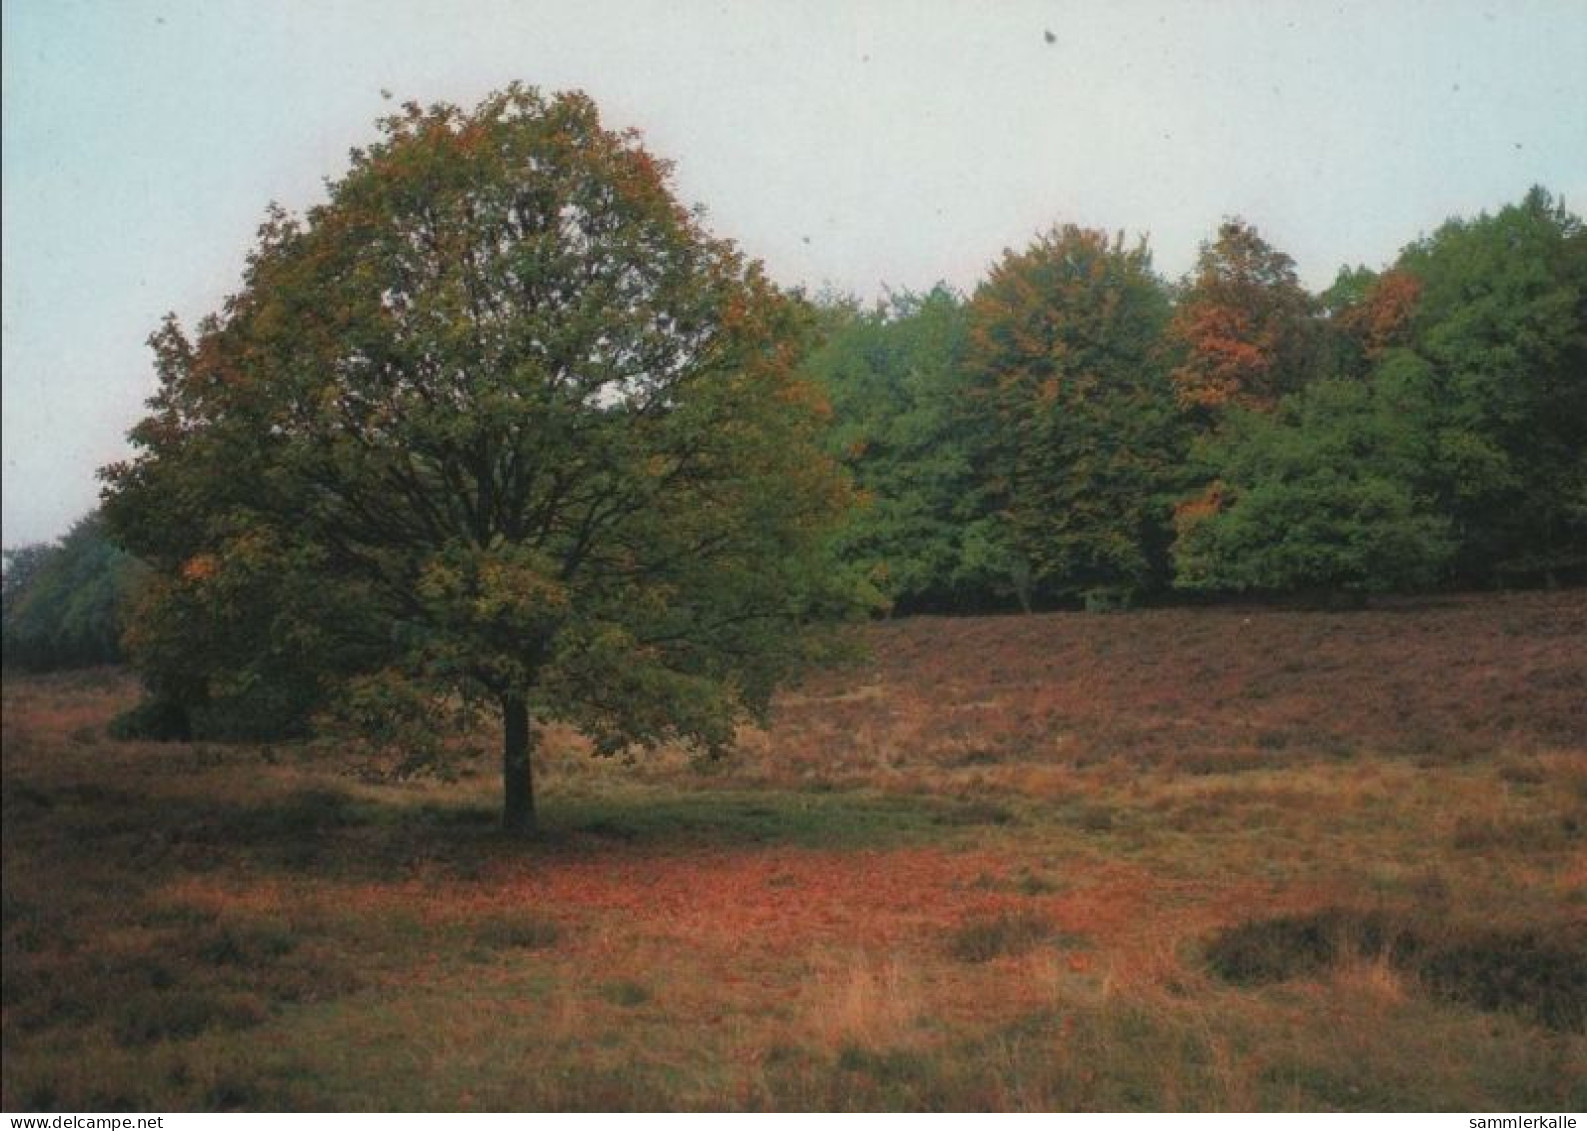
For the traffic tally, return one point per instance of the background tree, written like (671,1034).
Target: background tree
(1079,439)
(65,603)
(505,425)
(894,375)
(1244,325)
(1382,319)
(1460,453)
(1323,494)
(1367,314)
(1349,289)
(1501,322)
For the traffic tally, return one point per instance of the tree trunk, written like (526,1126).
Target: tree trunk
(1019,573)
(517,777)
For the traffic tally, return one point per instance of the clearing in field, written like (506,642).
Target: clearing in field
(1208,859)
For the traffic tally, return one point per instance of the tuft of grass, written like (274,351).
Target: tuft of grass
(249,945)
(894,1078)
(1527,973)
(1022,881)
(1095,819)
(1537,975)
(1554,831)
(624,993)
(182,1015)
(975,813)
(182,915)
(1293,946)
(1522,772)
(310,812)
(738,818)
(1012,933)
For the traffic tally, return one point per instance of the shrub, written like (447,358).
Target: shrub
(1008,934)
(153,720)
(1538,975)
(1292,946)
(624,993)
(1542,979)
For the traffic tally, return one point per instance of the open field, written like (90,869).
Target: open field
(1221,858)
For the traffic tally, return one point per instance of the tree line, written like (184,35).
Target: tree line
(65,604)
(1079,430)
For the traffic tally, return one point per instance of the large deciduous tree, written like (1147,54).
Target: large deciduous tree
(1245,326)
(1501,323)
(1075,428)
(498,423)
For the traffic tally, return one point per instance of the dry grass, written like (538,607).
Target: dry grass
(990,869)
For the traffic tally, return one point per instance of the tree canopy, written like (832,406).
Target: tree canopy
(499,422)
(895,376)
(1322,494)
(1080,430)
(1501,324)
(1244,323)
(65,603)
(1077,427)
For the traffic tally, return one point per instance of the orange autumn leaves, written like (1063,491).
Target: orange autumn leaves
(1382,319)
(1245,325)
(1248,331)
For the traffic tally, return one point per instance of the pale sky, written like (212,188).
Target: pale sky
(846,144)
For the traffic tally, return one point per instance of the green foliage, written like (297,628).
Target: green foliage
(518,932)
(1321,494)
(501,421)
(1348,290)
(1452,443)
(64,604)
(1030,442)
(235,643)
(155,719)
(1351,290)
(1502,326)
(1072,416)
(894,375)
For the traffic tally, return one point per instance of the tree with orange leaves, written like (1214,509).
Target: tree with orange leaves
(1382,320)
(1244,324)
(1367,314)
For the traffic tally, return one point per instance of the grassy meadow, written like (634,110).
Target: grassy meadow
(1225,858)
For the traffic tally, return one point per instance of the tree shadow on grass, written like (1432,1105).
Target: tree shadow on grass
(722,819)
(332,834)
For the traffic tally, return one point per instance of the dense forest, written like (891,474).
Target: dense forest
(1080,431)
